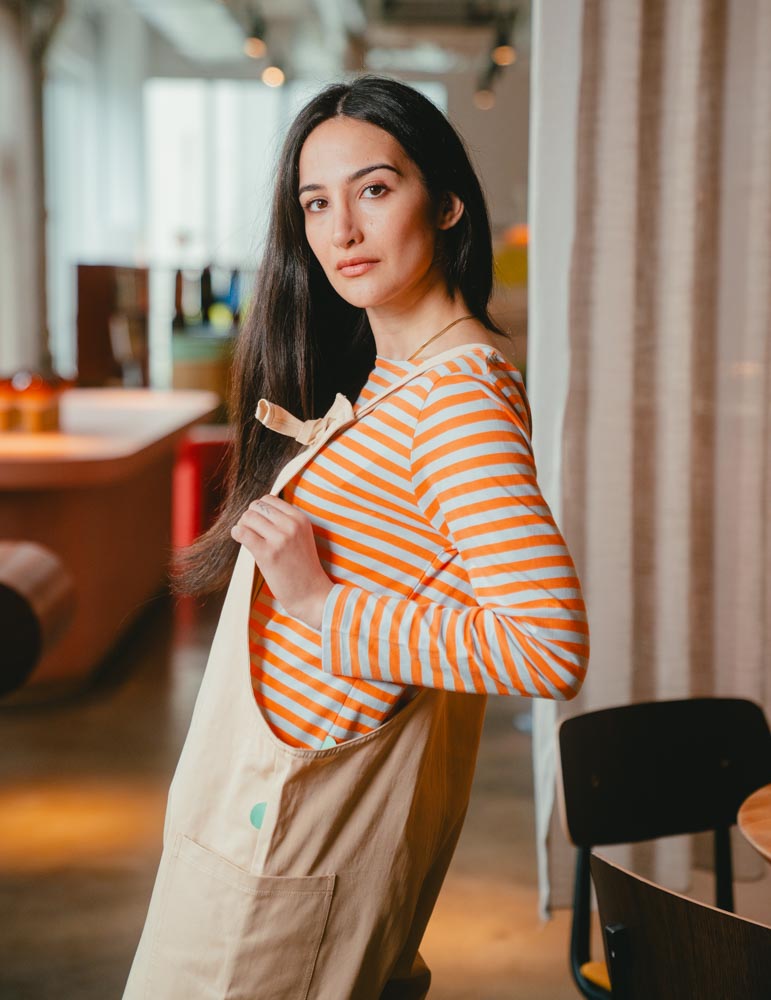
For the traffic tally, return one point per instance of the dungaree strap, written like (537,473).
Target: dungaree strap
(341,413)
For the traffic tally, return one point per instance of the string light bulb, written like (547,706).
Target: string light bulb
(255,48)
(484,99)
(504,55)
(273,76)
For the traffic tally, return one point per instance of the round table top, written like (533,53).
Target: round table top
(754,820)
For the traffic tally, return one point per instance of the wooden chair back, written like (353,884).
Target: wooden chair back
(664,945)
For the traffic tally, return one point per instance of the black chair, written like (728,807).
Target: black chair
(661,944)
(649,770)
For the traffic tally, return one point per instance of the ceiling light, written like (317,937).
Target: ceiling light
(254,44)
(504,50)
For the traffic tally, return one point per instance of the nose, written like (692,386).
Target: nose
(345,231)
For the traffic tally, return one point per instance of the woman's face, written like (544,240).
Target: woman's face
(363,197)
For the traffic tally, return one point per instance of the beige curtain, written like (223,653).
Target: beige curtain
(650,356)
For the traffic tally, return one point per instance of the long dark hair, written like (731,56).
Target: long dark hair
(301,342)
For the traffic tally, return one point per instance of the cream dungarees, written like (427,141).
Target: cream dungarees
(293,874)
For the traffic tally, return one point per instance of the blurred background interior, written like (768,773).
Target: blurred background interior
(625,151)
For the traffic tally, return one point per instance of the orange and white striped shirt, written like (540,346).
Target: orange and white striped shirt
(448,569)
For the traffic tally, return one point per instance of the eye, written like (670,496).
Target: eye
(313,201)
(382,187)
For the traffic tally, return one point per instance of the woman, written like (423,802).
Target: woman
(410,567)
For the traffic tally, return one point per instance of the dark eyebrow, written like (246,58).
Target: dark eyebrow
(354,176)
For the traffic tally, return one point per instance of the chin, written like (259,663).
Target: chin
(361,298)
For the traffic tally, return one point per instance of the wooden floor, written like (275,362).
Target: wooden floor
(82,794)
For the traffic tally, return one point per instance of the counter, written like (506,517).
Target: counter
(98,494)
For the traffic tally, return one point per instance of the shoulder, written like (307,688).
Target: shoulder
(478,377)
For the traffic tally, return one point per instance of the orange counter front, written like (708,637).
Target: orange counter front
(98,493)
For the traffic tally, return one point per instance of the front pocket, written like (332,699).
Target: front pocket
(226,933)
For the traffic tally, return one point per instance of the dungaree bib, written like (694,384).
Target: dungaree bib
(295,874)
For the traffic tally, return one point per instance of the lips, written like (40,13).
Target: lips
(355,266)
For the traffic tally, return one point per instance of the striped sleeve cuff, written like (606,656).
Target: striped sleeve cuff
(344,606)
(373,636)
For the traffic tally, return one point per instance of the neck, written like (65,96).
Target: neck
(400,330)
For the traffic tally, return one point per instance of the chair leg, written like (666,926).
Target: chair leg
(580,943)
(724,879)
(580,931)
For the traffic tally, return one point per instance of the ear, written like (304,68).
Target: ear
(450,210)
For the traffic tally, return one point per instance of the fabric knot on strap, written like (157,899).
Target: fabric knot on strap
(308,432)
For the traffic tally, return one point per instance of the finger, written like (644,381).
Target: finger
(261,508)
(255,520)
(247,536)
(261,523)
(278,503)
(274,509)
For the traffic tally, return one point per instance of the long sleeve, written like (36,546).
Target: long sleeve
(474,479)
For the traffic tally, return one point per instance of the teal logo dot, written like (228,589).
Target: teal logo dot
(257,814)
